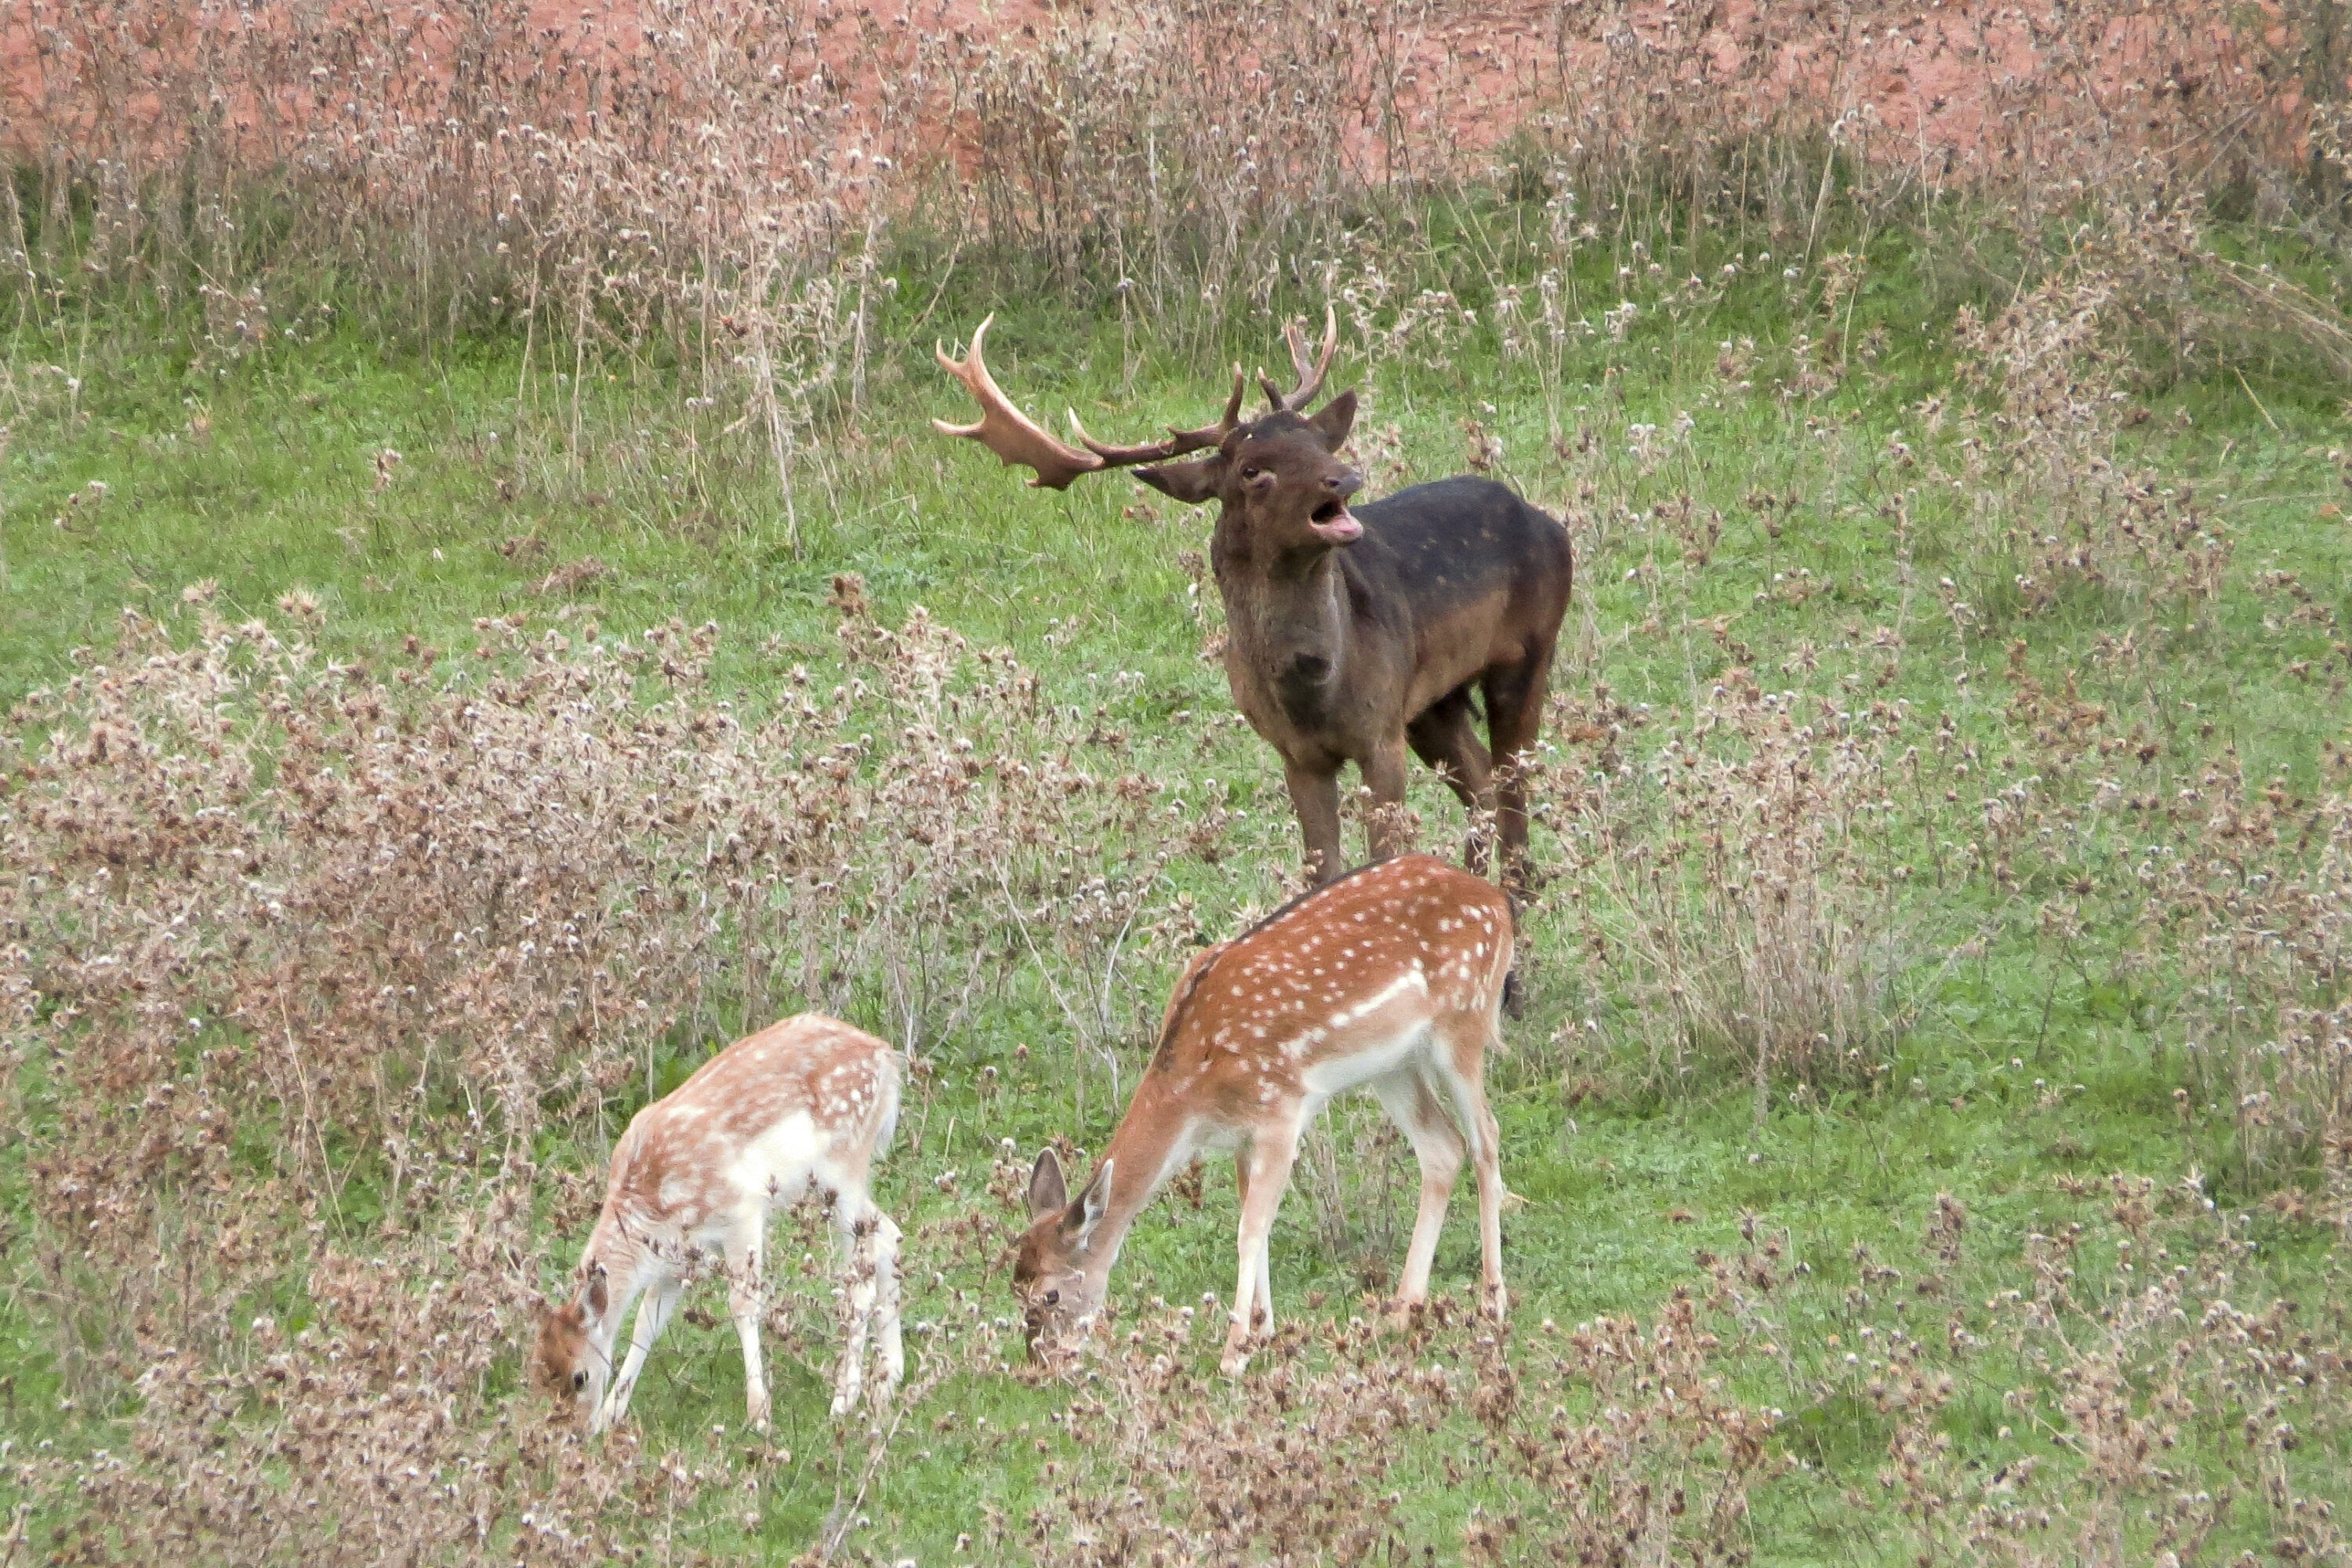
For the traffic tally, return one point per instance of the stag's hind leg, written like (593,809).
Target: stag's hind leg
(1514,703)
(1446,737)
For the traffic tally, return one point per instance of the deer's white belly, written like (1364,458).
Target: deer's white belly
(775,1165)
(1384,1033)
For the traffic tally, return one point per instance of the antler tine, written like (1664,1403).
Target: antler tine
(1309,372)
(1003,429)
(1178,443)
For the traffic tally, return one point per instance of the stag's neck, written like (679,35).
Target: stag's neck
(1154,1140)
(1288,618)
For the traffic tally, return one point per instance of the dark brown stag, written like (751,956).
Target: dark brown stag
(1350,635)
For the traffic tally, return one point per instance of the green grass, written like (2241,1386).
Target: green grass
(265,480)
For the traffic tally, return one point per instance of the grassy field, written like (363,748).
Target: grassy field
(1779,482)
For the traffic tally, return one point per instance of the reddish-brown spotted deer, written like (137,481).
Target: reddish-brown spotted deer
(1351,636)
(807,1103)
(1391,979)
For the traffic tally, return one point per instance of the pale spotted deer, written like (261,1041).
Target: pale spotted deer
(1392,979)
(806,1103)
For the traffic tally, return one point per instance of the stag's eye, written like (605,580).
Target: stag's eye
(579,1382)
(1249,472)
(1053,1297)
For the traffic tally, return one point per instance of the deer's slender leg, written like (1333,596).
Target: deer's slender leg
(855,1224)
(745,1254)
(1423,1116)
(1241,1194)
(1250,1278)
(652,1316)
(1270,1154)
(1461,1064)
(1315,794)
(1384,776)
(1445,738)
(884,1253)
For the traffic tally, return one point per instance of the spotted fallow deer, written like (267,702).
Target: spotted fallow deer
(806,1103)
(1390,978)
(1351,636)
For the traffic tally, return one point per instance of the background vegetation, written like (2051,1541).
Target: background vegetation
(487,620)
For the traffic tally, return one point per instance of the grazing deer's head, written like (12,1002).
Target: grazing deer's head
(1058,1274)
(569,1362)
(1279,476)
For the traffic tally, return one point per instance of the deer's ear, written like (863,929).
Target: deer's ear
(1190,483)
(1087,1212)
(1047,1190)
(1337,417)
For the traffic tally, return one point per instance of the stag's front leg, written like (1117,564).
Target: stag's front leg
(1445,739)
(1384,776)
(1314,796)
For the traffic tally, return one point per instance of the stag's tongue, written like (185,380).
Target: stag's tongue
(1340,528)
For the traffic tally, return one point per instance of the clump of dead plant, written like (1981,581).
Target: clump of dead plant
(1612,1442)
(1731,875)
(308,964)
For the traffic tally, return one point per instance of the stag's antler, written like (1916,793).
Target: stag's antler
(1003,429)
(1178,443)
(1310,372)
(1016,439)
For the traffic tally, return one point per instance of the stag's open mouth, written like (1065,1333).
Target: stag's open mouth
(1334,525)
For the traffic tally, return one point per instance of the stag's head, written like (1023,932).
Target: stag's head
(1057,1272)
(1279,476)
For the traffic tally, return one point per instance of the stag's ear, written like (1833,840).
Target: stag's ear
(1087,1212)
(1190,483)
(1338,417)
(1047,1189)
